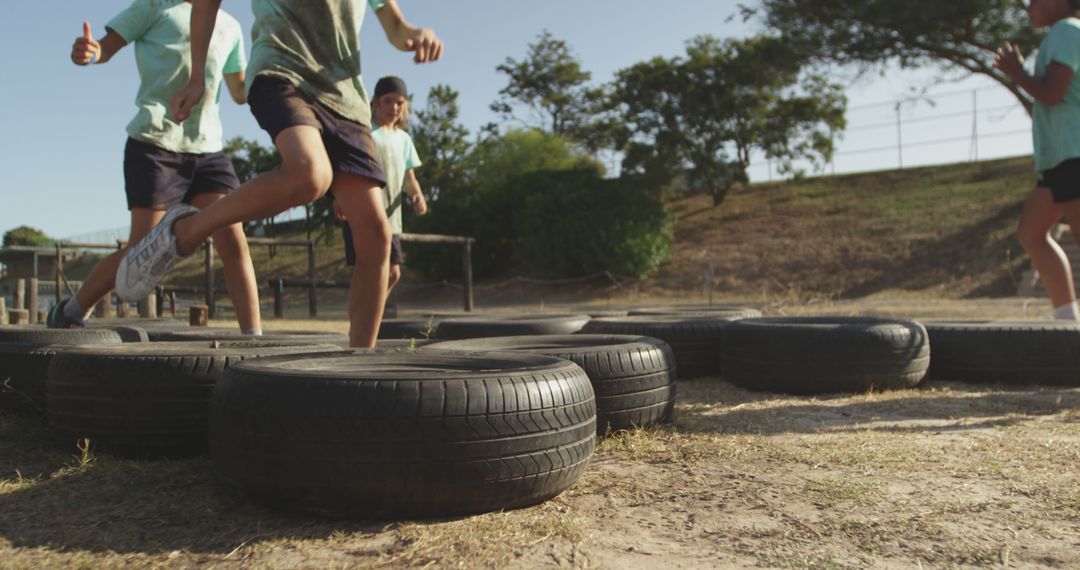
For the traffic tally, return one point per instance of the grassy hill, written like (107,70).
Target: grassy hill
(943,231)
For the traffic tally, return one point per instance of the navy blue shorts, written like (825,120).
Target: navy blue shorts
(277,105)
(156,178)
(1063,180)
(397,257)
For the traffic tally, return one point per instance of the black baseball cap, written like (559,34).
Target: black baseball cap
(391,84)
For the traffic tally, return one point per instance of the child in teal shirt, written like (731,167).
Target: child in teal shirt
(398,157)
(1056,135)
(305,89)
(167,162)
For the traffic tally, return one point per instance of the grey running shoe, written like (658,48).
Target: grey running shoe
(58,320)
(147,262)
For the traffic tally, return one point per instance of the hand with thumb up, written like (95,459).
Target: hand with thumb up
(86,49)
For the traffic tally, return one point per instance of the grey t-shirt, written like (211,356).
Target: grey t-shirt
(315,44)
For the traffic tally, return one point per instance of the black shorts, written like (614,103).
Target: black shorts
(277,105)
(1063,180)
(156,178)
(397,257)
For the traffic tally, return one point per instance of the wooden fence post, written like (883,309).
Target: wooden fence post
(122,309)
(3,310)
(159,301)
(313,301)
(466,269)
(208,266)
(279,297)
(32,299)
(172,303)
(148,306)
(197,315)
(59,271)
(103,309)
(20,294)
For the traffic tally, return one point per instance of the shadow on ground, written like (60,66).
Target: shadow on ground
(48,500)
(715,406)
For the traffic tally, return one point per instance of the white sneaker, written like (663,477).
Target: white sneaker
(147,262)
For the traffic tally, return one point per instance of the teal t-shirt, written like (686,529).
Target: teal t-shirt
(397,155)
(1056,129)
(315,44)
(161,33)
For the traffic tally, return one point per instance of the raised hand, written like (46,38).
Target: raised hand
(1010,60)
(86,49)
(425,45)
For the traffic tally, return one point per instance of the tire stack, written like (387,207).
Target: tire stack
(633,377)
(25,354)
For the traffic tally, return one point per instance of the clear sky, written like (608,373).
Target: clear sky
(61,158)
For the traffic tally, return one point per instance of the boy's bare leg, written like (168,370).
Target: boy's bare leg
(231,245)
(102,278)
(1039,215)
(304,176)
(361,201)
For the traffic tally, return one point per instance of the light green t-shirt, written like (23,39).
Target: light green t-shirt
(1056,129)
(161,32)
(397,155)
(315,44)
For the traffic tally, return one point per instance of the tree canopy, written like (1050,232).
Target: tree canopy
(26,235)
(701,115)
(958,34)
(441,141)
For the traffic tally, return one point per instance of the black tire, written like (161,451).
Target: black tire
(392,434)
(404,343)
(209,333)
(721,311)
(509,325)
(692,338)
(143,323)
(128,334)
(824,355)
(407,328)
(1016,352)
(633,376)
(25,354)
(145,400)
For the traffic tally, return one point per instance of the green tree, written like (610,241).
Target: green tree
(483,208)
(958,34)
(548,90)
(441,141)
(700,116)
(26,235)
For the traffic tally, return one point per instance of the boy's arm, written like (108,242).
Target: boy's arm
(406,37)
(1050,89)
(413,191)
(87,50)
(203,18)
(235,82)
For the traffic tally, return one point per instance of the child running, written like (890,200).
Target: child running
(305,89)
(1056,134)
(397,156)
(166,162)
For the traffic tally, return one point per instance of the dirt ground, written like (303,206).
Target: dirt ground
(948,475)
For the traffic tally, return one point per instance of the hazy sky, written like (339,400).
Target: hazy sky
(61,161)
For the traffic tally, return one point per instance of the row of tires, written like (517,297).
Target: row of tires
(461,426)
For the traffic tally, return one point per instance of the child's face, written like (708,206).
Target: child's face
(391,106)
(1044,13)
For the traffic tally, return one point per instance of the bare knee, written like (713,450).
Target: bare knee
(230,243)
(395,275)
(372,243)
(306,180)
(1031,237)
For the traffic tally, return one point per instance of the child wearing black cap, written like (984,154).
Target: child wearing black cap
(305,89)
(398,158)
